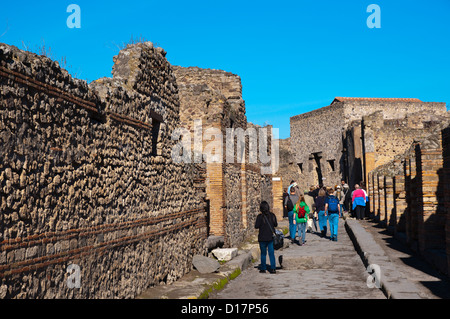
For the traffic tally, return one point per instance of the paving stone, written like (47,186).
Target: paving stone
(205,265)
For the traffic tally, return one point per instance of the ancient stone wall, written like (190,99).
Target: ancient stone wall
(87,178)
(386,138)
(316,144)
(392,108)
(289,169)
(414,193)
(343,140)
(213,98)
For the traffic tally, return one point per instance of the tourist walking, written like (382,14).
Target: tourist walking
(333,211)
(309,200)
(320,208)
(359,199)
(339,193)
(346,196)
(301,212)
(289,203)
(293,184)
(285,212)
(266,222)
(314,191)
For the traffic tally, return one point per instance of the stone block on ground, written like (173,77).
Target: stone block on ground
(205,265)
(242,260)
(225,254)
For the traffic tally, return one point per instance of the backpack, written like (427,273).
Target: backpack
(301,211)
(333,203)
(290,206)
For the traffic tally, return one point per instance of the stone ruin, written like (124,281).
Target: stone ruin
(87,177)
(397,149)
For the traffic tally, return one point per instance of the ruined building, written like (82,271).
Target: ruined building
(234,190)
(397,148)
(351,136)
(87,176)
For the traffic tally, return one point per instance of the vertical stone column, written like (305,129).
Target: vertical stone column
(391,220)
(376,197)
(446,187)
(277,191)
(431,219)
(371,192)
(370,165)
(400,202)
(381,198)
(216,196)
(215,190)
(412,203)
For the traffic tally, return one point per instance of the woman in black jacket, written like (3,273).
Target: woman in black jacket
(266,223)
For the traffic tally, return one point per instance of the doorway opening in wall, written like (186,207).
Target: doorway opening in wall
(155,135)
(300,167)
(331,164)
(317,157)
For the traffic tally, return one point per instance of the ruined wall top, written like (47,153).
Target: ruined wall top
(393,108)
(38,67)
(142,77)
(227,83)
(207,93)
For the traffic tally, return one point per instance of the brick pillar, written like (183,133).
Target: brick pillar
(277,193)
(431,218)
(408,172)
(215,190)
(370,165)
(216,195)
(446,182)
(400,202)
(413,205)
(391,220)
(371,192)
(381,199)
(376,198)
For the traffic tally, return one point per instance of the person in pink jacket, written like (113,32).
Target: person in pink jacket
(359,199)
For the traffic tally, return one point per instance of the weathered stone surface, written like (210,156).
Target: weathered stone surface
(213,99)
(388,127)
(225,254)
(87,166)
(205,265)
(214,242)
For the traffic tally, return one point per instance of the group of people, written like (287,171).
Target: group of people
(324,205)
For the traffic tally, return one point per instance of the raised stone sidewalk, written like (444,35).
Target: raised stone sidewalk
(319,270)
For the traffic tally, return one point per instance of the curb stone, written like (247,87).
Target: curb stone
(195,285)
(392,282)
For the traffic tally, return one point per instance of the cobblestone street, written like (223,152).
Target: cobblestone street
(321,269)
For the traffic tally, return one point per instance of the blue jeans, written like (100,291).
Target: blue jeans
(334,222)
(322,220)
(265,246)
(292,227)
(301,227)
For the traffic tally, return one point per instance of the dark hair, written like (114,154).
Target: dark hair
(264,207)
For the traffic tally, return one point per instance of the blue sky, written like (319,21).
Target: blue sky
(292,56)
